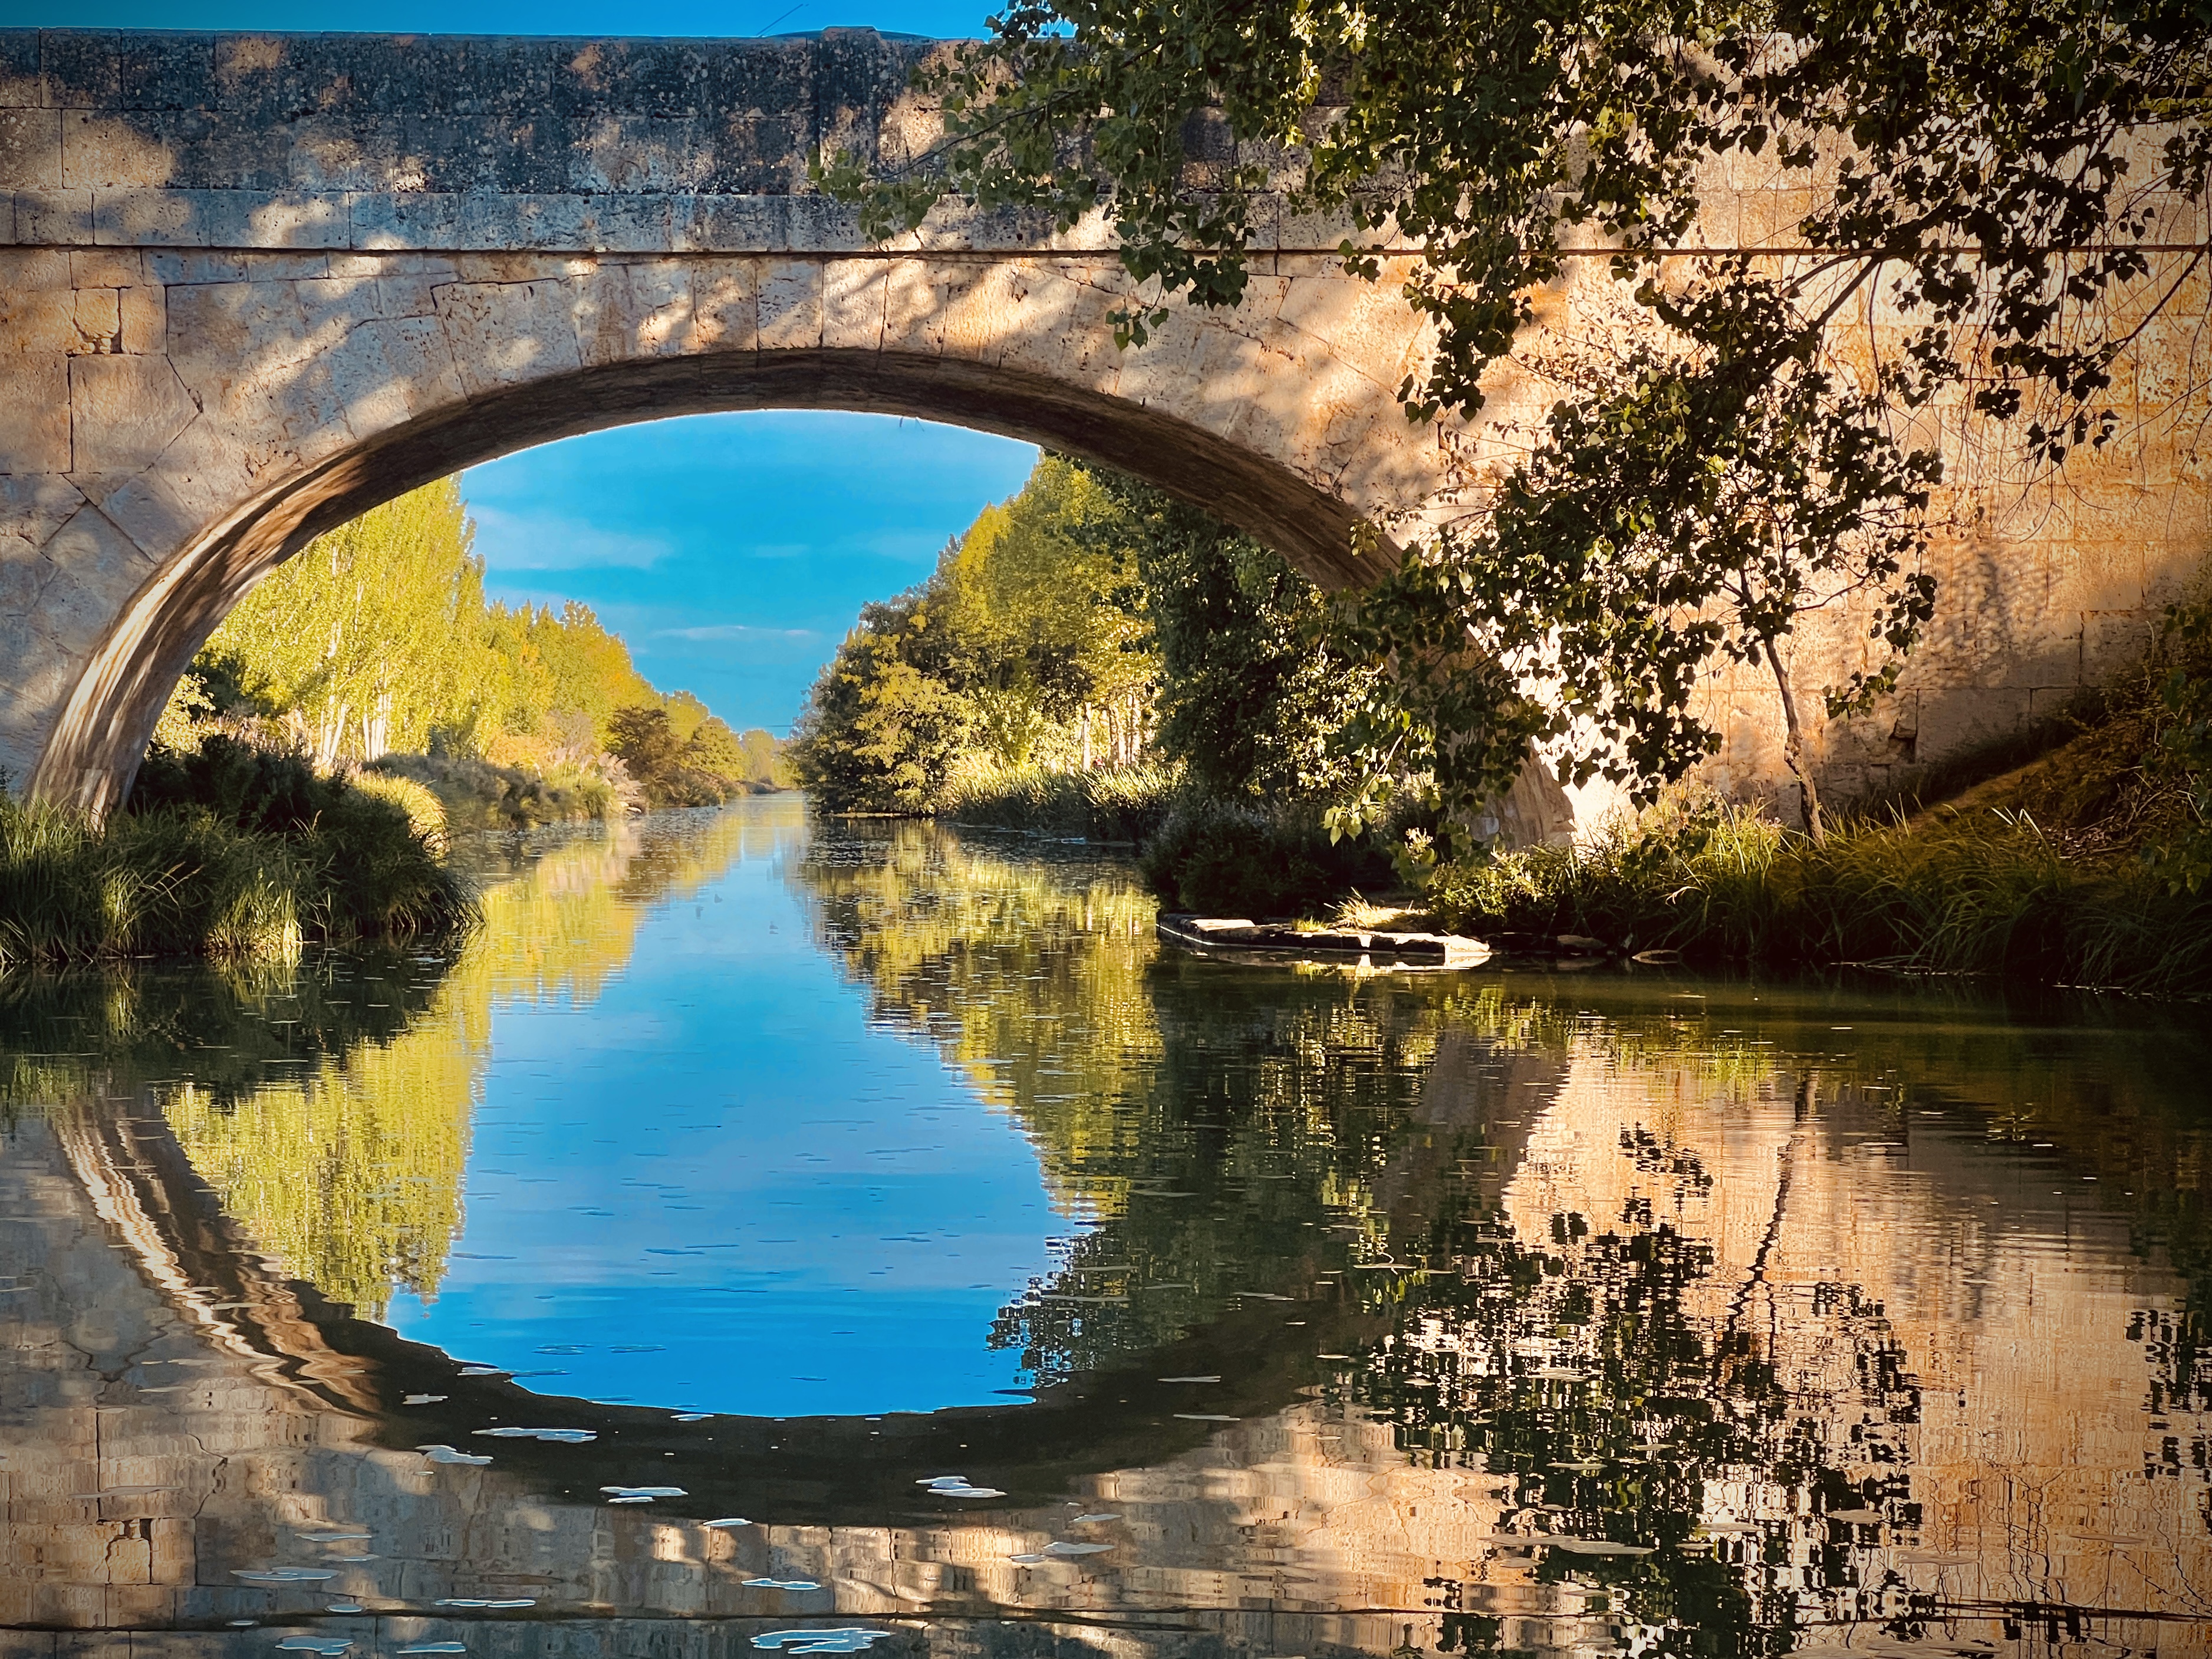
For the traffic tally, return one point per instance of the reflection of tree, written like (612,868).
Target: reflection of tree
(329,1106)
(1347,1142)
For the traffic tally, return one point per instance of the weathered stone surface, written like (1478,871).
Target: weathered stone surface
(251,284)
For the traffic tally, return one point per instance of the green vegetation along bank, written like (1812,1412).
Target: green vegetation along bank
(230,851)
(1093,660)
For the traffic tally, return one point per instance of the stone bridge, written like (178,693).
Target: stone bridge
(253,285)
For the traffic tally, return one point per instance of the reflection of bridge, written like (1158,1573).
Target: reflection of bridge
(253,285)
(181,1410)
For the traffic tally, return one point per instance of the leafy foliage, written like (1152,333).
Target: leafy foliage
(1986,174)
(377,639)
(1257,680)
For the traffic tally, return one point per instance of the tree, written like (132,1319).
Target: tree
(367,640)
(1984,172)
(1258,684)
(886,720)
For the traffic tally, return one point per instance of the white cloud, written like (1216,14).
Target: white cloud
(510,541)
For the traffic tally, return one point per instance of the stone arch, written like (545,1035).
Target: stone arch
(248,282)
(94,747)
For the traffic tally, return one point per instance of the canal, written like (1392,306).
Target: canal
(767,1235)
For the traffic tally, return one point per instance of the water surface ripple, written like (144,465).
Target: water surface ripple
(775,1236)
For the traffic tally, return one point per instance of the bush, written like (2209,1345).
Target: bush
(480,795)
(1228,858)
(232,851)
(1113,803)
(1977,892)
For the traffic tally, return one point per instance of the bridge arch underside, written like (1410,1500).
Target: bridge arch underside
(92,751)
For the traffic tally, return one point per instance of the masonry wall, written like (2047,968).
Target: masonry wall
(249,284)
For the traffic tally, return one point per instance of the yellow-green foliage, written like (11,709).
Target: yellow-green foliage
(1023,650)
(370,637)
(350,1176)
(1973,890)
(377,638)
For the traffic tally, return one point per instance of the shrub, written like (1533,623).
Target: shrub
(1978,891)
(232,851)
(1229,858)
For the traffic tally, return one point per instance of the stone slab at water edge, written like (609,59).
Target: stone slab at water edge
(1238,940)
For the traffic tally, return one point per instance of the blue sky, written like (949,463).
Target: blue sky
(732,551)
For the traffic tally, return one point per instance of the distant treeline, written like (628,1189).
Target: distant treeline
(376,645)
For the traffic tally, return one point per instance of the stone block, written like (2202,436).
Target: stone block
(98,322)
(152,218)
(33,505)
(853,298)
(125,412)
(334,152)
(106,268)
(725,305)
(913,307)
(756,155)
(503,334)
(499,223)
(427,219)
(628,311)
(277,219)
(165,71)
(19,84)
(164,509)
(790,305)
(34,416)
(143,319)
(30,148)
(730,224)
(821,226)
(230,328)
(51,218)
(629,224)
(389,371)
(79,68)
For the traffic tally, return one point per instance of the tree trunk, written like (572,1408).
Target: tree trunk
(1086,737)
(1793,749)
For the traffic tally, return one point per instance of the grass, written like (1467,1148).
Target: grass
(1977,889)
(233,852)
(1124,804)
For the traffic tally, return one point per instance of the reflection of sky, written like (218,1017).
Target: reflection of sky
(719,1167)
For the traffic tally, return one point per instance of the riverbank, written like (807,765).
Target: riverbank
(230,852)
(1972,890)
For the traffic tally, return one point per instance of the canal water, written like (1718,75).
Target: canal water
(774,1237)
